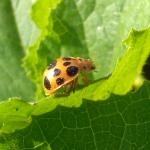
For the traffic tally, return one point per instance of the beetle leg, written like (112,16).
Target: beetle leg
(85,79)
(70,86)
(74,84)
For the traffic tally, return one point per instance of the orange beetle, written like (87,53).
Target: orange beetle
(63,72)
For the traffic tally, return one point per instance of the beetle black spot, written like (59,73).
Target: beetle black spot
(57,72)
(72,70)
(47,83)
(59,81)
(66,58)
(52,65)
(66,63)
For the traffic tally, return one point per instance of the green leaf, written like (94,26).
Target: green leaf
(137,49)
(13,81)
(40,49)
(128,68)
(85,29)
(121,122)
(42,11)
(25,26)
(120,82)
(14,114)
(137,41)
